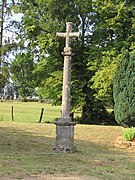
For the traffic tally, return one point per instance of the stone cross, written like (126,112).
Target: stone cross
(64,126)
(67,70)
(68,35)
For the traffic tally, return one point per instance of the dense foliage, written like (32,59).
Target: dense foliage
(124,90)
(22,70)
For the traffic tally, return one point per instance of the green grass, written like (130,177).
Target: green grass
(28,112)
(26,148)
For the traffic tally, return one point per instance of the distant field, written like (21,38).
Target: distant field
(28,112)
(26,149)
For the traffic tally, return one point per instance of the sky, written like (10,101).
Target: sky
(8,34)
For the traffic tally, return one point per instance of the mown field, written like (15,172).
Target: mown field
(27,148)
(28,112)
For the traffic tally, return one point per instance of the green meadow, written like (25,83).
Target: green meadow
(28,112)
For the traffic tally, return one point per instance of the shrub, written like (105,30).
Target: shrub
(129,134)
(124,90)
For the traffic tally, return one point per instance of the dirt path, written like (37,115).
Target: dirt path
(51,177)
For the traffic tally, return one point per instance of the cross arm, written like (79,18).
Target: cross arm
(58,34)
(75,34)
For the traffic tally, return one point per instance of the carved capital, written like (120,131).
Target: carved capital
(67,51)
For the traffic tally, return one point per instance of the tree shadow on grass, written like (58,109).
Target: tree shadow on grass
(23,153)
(18,141)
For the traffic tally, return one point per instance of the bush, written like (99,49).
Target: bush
(124,90)
(129,134)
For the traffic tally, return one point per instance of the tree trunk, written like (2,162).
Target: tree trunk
(2,28)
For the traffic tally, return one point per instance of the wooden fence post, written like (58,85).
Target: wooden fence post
(12,113)
(41,115)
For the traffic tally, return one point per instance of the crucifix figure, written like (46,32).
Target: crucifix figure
(64,126)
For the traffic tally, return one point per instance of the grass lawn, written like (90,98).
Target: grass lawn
(28,112)
(26,148)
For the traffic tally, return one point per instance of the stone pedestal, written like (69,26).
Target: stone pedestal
(64,136)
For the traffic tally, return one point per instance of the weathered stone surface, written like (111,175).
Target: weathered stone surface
(64,137)
(68,35)
(66,87)
(64,126)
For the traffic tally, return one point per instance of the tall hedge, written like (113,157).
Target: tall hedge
(124,90)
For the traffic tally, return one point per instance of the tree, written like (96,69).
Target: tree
(7,43)
(22,74)
(111,31)
(105,27)
(124,89)
(41,20)
(3,71)
(51,88)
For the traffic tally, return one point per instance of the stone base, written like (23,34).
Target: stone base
(64,137)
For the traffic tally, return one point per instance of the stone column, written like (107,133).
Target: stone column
(66,85)
(64,126)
